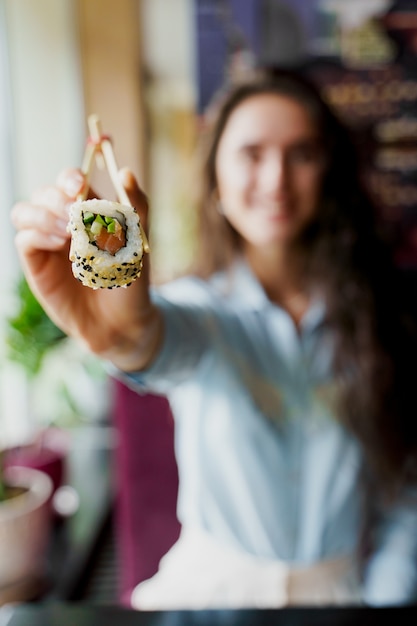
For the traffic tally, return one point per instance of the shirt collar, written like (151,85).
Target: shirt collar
(241,285)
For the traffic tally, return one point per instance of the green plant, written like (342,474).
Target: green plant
(30,333)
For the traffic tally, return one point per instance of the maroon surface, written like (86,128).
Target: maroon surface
(48,453)
(146,485)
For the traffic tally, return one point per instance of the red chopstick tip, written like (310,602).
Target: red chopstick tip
(97,142)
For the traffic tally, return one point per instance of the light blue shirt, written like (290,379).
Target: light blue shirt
(263,462)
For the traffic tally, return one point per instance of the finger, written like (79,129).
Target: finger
(30,216)
(73,182)
(30,241)
(136,196)
(53,199)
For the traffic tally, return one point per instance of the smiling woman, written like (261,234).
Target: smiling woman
(287,357)
(295,427)
(269,177)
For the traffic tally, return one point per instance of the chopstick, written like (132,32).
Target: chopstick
(99,150)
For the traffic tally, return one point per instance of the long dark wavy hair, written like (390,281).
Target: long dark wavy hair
(350,265)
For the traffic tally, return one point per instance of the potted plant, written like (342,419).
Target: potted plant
(25,520)
(30,335)
(25,491)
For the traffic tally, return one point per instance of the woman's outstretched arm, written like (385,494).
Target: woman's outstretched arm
(119,325)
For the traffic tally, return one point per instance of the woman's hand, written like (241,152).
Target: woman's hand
(121,325)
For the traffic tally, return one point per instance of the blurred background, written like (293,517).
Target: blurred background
(133,64)
(148,68)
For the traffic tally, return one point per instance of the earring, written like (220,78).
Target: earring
(216,202)
(219,207)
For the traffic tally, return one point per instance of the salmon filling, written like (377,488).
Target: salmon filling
(105,232)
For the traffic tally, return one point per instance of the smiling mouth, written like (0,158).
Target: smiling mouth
(275,213)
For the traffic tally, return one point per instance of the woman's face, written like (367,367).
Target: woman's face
(269,169)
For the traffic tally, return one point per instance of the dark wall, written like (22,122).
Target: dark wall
(365,64)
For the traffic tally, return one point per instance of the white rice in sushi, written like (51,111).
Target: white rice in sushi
(97,268)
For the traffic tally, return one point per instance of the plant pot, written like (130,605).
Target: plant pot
(25,523)
(47,453)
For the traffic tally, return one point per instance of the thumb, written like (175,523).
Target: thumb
(136,196)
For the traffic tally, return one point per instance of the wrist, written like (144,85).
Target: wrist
(135,350)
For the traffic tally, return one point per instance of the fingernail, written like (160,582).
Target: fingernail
(123,172)
(57,241)
(74,185)
(125,176)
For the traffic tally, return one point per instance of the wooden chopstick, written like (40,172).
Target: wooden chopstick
(99,150)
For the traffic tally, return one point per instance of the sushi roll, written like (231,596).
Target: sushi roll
(106,243)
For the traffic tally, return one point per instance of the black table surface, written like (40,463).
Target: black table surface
(61,614)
